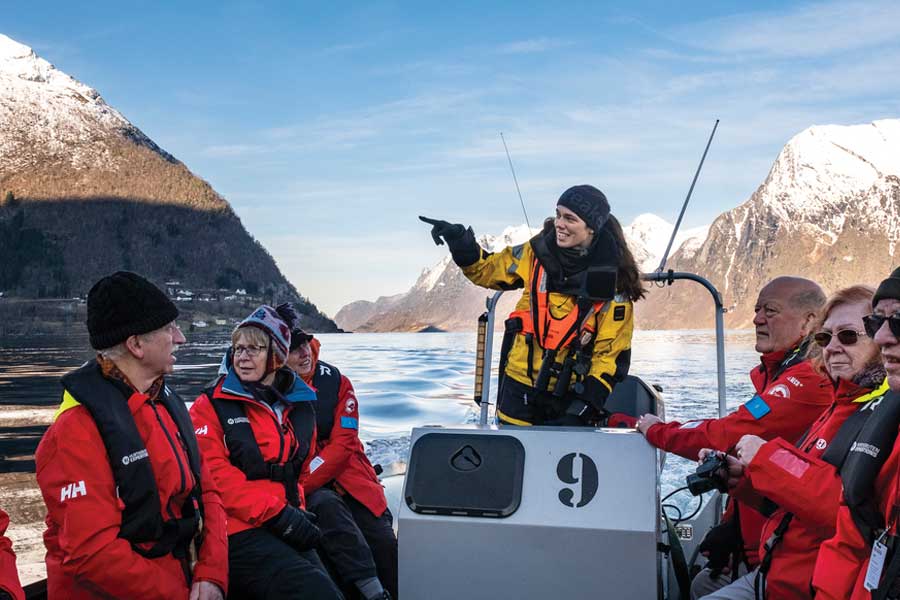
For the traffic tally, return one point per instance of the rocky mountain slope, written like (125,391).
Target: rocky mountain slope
(84,192)
(828,210)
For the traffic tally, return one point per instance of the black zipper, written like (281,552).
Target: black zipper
(174,451)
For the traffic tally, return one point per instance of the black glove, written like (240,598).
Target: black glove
(722,542)
(296,527)
(4,595)
(581,413)
(442,229)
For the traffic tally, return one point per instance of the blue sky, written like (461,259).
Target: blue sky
(330,126)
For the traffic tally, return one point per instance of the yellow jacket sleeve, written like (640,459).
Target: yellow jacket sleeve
(505,270)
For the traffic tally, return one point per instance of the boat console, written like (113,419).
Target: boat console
(533,512)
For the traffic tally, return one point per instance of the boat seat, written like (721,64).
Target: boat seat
(633,397)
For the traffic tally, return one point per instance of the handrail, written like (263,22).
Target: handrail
(667,278)
(491,305)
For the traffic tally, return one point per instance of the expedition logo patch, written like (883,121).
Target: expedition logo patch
(135,456)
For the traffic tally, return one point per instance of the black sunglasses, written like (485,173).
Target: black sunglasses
(874,322)
(847,337)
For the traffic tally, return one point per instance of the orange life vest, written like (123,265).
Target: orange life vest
(553,333)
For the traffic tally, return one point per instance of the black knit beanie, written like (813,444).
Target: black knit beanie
(889,288)
(299,337)
(588,203)
(125,304)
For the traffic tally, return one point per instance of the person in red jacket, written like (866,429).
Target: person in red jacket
(802,481)
(10,588)
(342,486)
(790,394)
(256,426)
(845,562)
(132,511)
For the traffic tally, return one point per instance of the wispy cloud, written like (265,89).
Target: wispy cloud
(812,30)
(531,46)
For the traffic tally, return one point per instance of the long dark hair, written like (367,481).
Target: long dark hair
(629,276)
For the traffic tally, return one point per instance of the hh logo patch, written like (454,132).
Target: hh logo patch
(757,407)
(72,491)
(619,313)
(202,430)
(821,444)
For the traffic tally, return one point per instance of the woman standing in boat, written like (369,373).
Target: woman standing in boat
(568,342)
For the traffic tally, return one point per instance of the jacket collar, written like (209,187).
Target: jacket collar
(297,390)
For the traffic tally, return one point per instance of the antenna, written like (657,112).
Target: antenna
(516,180)
(662,263)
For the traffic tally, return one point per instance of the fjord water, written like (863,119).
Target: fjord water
(402,380)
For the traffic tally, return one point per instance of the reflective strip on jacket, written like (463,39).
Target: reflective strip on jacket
(86,558)
(511,268)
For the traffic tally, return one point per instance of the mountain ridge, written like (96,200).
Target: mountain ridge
(828,209)
(84,192)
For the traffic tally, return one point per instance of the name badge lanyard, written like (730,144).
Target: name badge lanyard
(880,548)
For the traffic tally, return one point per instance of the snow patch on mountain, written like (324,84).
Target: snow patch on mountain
(648,235)
(41,105)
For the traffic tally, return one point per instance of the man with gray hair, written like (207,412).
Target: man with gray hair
(132,512)
(789,396)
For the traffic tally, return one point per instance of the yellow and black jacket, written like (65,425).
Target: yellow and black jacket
(512,268)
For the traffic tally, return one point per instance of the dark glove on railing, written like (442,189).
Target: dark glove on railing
(296,527)
(461,240)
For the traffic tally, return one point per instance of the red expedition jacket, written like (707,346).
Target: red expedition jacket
(9,577)
(340,455)
(800,482)
(784,406)
(85,556)
(843,560)
(249,503)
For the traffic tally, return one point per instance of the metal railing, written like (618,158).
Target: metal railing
(486,338)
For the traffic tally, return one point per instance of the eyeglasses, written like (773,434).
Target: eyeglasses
(847,337)
(874,322)
(252,351)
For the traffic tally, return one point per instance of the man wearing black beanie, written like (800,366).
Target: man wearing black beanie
(131,510)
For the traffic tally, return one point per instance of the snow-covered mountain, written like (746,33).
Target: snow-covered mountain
(442,297)
(84,192)
(828,210)
(648,236)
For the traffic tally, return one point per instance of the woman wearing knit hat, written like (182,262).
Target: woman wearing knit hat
(862,560)
(568,342)
(256,426)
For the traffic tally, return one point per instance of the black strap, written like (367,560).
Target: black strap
(511,328)
(107,402)
(889,588)
(794,357)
